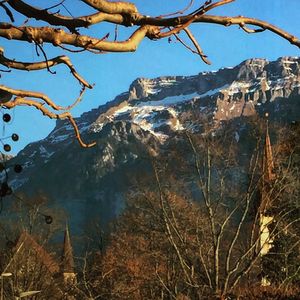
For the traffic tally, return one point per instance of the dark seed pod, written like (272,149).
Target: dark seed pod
(18,168)
(48,219)
(7,147)
(6,118)
(14,137)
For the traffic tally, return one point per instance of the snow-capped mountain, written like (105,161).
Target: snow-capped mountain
(88,183)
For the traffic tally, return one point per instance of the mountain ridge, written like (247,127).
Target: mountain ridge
(142,121)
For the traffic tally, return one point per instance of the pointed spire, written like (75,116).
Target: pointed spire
(268,171)
(67,257)
(268,162)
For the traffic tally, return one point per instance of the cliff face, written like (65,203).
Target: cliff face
(92,183)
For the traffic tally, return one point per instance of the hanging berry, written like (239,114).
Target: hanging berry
(7,147)
(6,118)
(14,137)
(18,168)
(48,219)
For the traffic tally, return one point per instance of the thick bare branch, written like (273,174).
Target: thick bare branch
(112,7)
(18,101)
(58,37)
(27,66)
(220,20)
(60,20)
(37,95)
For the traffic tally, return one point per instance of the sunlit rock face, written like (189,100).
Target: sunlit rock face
(92,184)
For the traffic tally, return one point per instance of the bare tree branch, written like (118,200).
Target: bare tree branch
(112,7)
(26,66)
(60,20)
(58,37)
(40,106)
(197,46)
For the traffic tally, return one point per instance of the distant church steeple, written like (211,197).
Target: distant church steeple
(268,175)
(68,269)
(265,219)
(268,162)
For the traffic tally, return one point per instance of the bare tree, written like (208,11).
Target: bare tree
(169,247)
(64,32)
(140,262)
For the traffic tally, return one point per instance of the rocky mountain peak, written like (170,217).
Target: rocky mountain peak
(157,105)
(144,87)
(252,69)
(283,67)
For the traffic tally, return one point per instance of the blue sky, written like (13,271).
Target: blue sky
(113,73)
